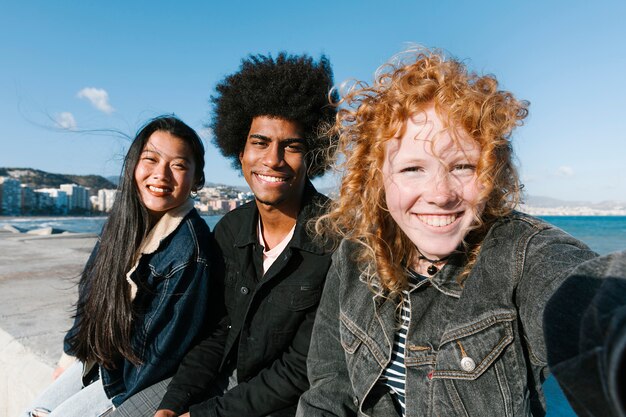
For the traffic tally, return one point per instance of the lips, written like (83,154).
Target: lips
(271,178)
(438,220)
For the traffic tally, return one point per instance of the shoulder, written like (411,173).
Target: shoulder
(234,220)
(192,225)
(523,230)
(237,227)
(345,263)
(526,243)
(314,204)
(192,238)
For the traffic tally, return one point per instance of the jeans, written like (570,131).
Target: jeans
(66,397)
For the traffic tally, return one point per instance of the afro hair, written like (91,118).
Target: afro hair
(290,87)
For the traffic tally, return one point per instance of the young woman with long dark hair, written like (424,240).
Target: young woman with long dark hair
(143,295)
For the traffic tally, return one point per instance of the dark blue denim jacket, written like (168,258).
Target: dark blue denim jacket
(495,319)
(171,306)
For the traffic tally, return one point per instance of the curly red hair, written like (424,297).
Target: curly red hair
(372,115)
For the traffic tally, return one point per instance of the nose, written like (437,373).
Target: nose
(441,190)
(161,171)
(273,156)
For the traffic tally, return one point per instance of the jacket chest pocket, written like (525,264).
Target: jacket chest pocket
(362,351)
(472,359)
(285,309)
(295,297)
(466,352)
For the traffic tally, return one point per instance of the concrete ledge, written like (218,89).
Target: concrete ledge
(23,375)
(38,276)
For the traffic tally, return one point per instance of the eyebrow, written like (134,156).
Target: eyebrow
(184,158)
(267,138)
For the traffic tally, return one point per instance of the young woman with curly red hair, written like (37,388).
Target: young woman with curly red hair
(433,304)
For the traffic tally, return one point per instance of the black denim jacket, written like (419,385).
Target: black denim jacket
(495,319)
(267,329)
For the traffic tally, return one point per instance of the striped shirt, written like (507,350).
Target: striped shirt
(394,375)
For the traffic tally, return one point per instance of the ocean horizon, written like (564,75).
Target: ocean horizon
(603,234)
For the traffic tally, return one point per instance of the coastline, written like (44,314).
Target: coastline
(49,217)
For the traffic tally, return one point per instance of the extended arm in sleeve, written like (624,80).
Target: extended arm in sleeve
(551,255)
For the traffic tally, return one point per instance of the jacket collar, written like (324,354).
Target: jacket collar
(313,204)
(446,280)
(166,225)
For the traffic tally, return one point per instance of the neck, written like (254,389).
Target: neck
(427,266)
(275,224)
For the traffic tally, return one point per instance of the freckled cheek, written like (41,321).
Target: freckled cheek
(471,193)
(399,197)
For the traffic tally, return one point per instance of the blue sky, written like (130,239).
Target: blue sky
(109,66)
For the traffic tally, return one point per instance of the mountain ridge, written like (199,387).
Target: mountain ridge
(36,178)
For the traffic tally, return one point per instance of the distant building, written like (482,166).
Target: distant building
(10,196)
(106,198)
(44,202)
(78,197)
(244,197)
(28,201)
(58,199)
(219,205)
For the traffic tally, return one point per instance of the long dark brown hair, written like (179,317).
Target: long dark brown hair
(104,312)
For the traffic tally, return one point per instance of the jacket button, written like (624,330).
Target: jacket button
(355,400)
(244,290)
(468,364)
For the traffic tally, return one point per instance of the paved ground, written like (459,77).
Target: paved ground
(38,276)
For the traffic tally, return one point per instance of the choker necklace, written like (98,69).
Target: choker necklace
(432,268)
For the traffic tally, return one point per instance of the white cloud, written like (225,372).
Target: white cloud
(205,133)
(98,97)
(565,171)
(65,120)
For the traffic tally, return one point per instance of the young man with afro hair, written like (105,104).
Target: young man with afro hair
(270,119)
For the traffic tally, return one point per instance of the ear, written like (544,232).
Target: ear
(240,156)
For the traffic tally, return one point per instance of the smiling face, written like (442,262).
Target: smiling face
(430,182)
(273,163)
(165,173)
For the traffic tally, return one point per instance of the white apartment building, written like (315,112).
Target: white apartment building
(106,199)
(78,196)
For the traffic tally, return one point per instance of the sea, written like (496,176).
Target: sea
(603,234)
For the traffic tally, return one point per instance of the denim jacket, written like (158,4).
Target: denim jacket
(266,333)
(170,287)
(495,319)
(591,365)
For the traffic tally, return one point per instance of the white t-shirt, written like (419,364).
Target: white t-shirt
(271,255)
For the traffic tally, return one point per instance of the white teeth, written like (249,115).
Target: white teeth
(437,220)
(157,189)
(271,179)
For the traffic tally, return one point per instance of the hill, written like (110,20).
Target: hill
(40,179)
